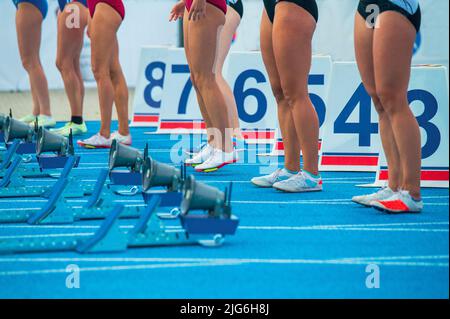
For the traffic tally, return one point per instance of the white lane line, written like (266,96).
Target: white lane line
(311,202)
(25,226)
(8,200)
(259,228)
(114,268)
(46,236)
(190,259)
(230,262)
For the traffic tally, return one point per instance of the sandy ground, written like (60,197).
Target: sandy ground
(20,103)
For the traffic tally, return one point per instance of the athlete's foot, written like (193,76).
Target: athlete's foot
(122,139)
(195,150)
(217,160)
(77,129)
(200,157)
(44,121)
(400,202)
(29,119)
(267,181)
(300,183)
(96,141)
(366,200)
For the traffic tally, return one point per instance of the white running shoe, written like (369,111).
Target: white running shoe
(267,181)
(200,157)
(217,160)
(194,150)
(365,200)
(96,141)
(400,202)
(300,183)
(122,139)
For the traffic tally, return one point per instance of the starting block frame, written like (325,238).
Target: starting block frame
(14,185)
(149,231)
(57,211)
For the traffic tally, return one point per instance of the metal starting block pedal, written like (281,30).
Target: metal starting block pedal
(155,174)
(126,157)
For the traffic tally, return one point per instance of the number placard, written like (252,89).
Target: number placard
(180,112)
(149,88)
(350,133)
(255,102)
(429,101)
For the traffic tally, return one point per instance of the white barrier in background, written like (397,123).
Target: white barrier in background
(429,100)
(150,85)
(350,133)
(319,85)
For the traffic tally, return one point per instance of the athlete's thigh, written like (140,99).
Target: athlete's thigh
(393,49)
(29,28)
(268,54)
(103,29)
(232,22)
(203,40)
(292,34)
(364,53)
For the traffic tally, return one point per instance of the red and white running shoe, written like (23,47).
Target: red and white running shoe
(400,202)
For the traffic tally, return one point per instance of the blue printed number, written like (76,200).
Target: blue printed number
(184,98)
(430,110)
(317,101)
(153,83)
(241,94)
(364,128)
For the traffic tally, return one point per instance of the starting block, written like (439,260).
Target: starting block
(155,174)
(14,185)
(58,211)
(46,142)
(149,231)
(125,156)
(28,170)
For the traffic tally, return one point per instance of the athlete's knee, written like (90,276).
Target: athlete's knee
(203,80)
(371,90)
(64,66)
(30,63)
(278,94)
(100,72)
(391,99)
(293,95)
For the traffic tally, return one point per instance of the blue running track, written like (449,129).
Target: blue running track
(314,245)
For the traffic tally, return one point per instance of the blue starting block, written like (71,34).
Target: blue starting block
(45,163)
(125,178)
(54,162)
(149,231)
(24,148)
(168,199)
(14,185)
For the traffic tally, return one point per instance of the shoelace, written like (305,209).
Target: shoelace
(274,176)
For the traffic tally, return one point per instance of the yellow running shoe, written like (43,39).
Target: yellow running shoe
(45,121)
(29,119)
(77,129)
